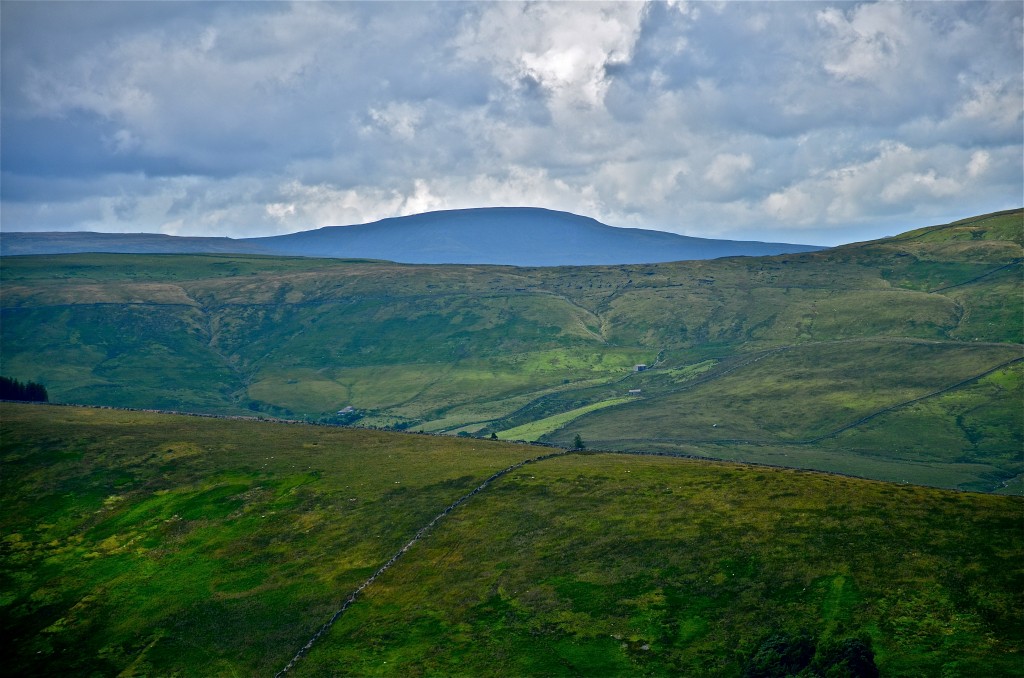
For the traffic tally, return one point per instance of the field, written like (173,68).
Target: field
(535,429)
(148,544)
(894,359)
(141,542)
(901,410)
(610,565)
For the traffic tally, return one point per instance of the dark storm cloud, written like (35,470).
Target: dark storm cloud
(803,121)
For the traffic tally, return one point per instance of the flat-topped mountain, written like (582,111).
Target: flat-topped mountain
(517,236)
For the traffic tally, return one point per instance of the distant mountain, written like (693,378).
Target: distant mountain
(74,242)
(518,236)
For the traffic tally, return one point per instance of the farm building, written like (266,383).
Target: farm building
(640,368)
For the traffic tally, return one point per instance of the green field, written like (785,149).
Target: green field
(750,356)
(535,429)
(610,565)
(159,544)
(792,408)
(148,544)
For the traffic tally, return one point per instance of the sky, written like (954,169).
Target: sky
(819,123)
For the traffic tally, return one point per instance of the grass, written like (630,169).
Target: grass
(534,430)
(980,424)
(863,464)
(615,565)
(146,544)
(806,392)
(171,544)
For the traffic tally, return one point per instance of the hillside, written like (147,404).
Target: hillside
(145,544)
(896,359)
(515,236)
(70,242)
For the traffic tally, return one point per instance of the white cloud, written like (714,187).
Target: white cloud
(281,210)
(895,176)
(992,103)
(978,164)
(757,23)
(870,40)
(186,93)
(123,141)
(298,206)
(726,169)
(563,48)
(793,205)
(421,200)
(919,186)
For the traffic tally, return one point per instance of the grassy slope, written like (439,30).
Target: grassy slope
(610,565)
(161,543)
(535,429)
(410,342)
(147,544)
(847,354)
(789,408)
(486,349)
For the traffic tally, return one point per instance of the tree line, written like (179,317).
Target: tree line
(12,389)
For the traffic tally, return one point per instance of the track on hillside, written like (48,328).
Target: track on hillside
(419,535)
(830,434)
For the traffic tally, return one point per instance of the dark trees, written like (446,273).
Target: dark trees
(12,389)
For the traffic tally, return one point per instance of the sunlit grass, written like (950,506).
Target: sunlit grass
(617,565)
(534,430)
(177,544)
(968,438)
(156,545)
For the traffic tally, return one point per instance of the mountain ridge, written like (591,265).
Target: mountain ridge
(516,236)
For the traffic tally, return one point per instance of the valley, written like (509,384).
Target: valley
(896,359)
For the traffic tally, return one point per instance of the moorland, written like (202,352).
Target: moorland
(897,359)
(150,544)
(230,542)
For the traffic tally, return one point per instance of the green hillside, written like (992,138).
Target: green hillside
(763,359)
(156,544)
(147,544)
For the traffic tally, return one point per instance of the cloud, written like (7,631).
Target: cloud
(765,120)
(564,49)
(727,170)
(870,41)
(884,184)
(978,164)
(398,119)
